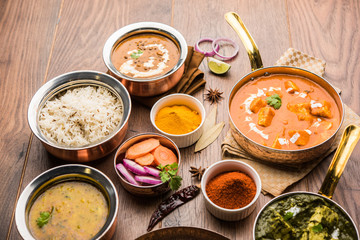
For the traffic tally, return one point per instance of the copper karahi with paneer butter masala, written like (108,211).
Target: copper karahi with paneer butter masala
(285,112)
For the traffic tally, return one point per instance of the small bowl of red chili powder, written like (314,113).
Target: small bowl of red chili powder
(231,189)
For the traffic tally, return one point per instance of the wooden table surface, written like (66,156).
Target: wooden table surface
(41,39)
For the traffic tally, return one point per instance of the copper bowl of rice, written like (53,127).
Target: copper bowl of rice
(80,116)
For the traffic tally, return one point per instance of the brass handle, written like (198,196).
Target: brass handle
(347,144)
(237,24)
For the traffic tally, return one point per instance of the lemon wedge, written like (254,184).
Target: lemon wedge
(217,66)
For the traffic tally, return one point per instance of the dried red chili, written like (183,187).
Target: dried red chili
(174,201)
(231,190)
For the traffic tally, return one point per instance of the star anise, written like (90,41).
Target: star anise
(213,95)
(197,172)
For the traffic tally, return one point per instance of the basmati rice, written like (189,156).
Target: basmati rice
(80,116)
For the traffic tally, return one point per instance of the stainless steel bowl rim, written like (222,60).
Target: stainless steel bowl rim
(284,150)
(138,135)
(302,192)
(101,178)
(57,81)
(141,26)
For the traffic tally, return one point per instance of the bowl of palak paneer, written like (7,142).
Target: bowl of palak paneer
(303,216)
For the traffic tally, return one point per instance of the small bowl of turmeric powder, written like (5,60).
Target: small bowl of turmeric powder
(231,189)
(179,117)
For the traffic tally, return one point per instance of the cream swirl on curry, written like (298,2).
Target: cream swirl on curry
(145,56)
(285,112)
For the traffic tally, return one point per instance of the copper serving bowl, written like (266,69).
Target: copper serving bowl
(70,172)
(260,151)
(151,190)
(145,87)
(76,79)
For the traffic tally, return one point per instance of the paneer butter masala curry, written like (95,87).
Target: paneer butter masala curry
(145,56)
(285,112)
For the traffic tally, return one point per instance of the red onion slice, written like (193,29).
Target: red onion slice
(152,171)
(148,180)
(134,167)
(127,174)
(207,54)
(215,46)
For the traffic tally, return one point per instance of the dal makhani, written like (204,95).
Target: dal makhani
(145,56)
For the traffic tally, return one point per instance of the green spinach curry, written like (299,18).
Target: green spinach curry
(303,217)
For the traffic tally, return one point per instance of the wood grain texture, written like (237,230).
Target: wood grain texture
(50,38)
(26,33)
(206,19)
(328,30)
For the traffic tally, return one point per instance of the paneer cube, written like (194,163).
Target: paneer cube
(299,137)
(265,116)
(321,109)
(256,104)
(270,93)
(276,144)
(291,87)
(302,110)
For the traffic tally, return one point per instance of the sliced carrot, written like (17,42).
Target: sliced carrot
(164,156)
(141,148)
(145,160)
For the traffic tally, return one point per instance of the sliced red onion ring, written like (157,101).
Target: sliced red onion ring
(215,46)
(207,54)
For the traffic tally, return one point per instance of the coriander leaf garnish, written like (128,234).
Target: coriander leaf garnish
(288,215)
(44,217)
(136,55)
(168,174)
(317,228)
(274,101)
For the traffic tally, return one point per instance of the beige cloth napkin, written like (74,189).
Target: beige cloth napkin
(276,178)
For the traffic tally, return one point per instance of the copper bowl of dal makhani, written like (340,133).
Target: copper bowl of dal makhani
(68,202)
(147,57)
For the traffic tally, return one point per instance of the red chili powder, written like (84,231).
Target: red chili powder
(231,190)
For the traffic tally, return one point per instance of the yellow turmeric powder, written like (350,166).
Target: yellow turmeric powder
(177,119)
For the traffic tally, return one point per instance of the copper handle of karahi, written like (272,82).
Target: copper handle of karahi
(348,141)
(237,24)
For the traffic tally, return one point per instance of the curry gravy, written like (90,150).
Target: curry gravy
(145,56)
(308,114)
(79,211)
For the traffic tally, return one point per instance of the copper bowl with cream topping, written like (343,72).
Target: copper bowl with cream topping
(138,82)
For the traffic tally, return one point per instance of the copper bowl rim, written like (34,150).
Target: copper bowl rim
(342,111)
(75,79)
(139,28)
